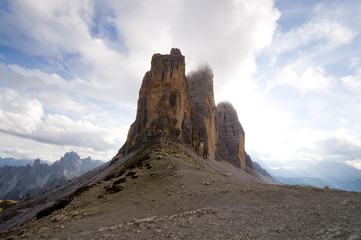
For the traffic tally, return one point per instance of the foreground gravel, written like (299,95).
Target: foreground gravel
(172,196)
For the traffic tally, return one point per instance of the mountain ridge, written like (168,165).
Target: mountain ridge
(9,161)
(181,107)
(21,182)
(338,175)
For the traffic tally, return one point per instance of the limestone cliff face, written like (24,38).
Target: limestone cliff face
(203,111)
(230,144)
(183,108)
(163,101)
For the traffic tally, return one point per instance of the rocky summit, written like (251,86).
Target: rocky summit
(182,108)
(183,173)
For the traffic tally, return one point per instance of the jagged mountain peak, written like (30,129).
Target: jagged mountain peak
(70,157)
(36,162)
(182,108)
(162,103)
(20,182)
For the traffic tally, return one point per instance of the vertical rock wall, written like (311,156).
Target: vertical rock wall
(230,136)
(173,105)
(203,110)
(162,102)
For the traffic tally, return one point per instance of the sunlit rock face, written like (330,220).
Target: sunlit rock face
(182,107)
(163,102)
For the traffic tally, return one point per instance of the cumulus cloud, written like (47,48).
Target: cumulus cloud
(24,117)
(18,114)
(325,33)
(339,146)
(355,64)
(50,89)
(87,58)
(302,56)
(304,147)
(213,34)
(309,79)
(304,69)
(60,32)
(353,83)
(333,148)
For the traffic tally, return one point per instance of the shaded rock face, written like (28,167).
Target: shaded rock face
(203,111)
(183,108)
(249,161)
(230,136)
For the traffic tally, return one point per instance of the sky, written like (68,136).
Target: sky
(70,73)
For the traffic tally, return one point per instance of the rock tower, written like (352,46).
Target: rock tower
(182,108)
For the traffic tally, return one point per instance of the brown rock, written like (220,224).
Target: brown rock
(162,103)
(183,108)
(203,110)
(230,144)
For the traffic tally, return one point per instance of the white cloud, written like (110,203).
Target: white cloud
(344,122)
(306,56)
(51,90)
(205,31)
(49,25)
(355,64)
(24,117)
(60,31)
(302,69)
(355,163)
(102,74)
(20,147)
(320,32)
(213,34)
(76,98)
(305,146)
(19,114)
(353,83)
(306,79)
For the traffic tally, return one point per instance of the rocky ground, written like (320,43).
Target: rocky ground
(5,204)
(173,195)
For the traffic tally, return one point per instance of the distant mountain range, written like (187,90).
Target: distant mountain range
(18,162)
(336,175)
(20,180)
